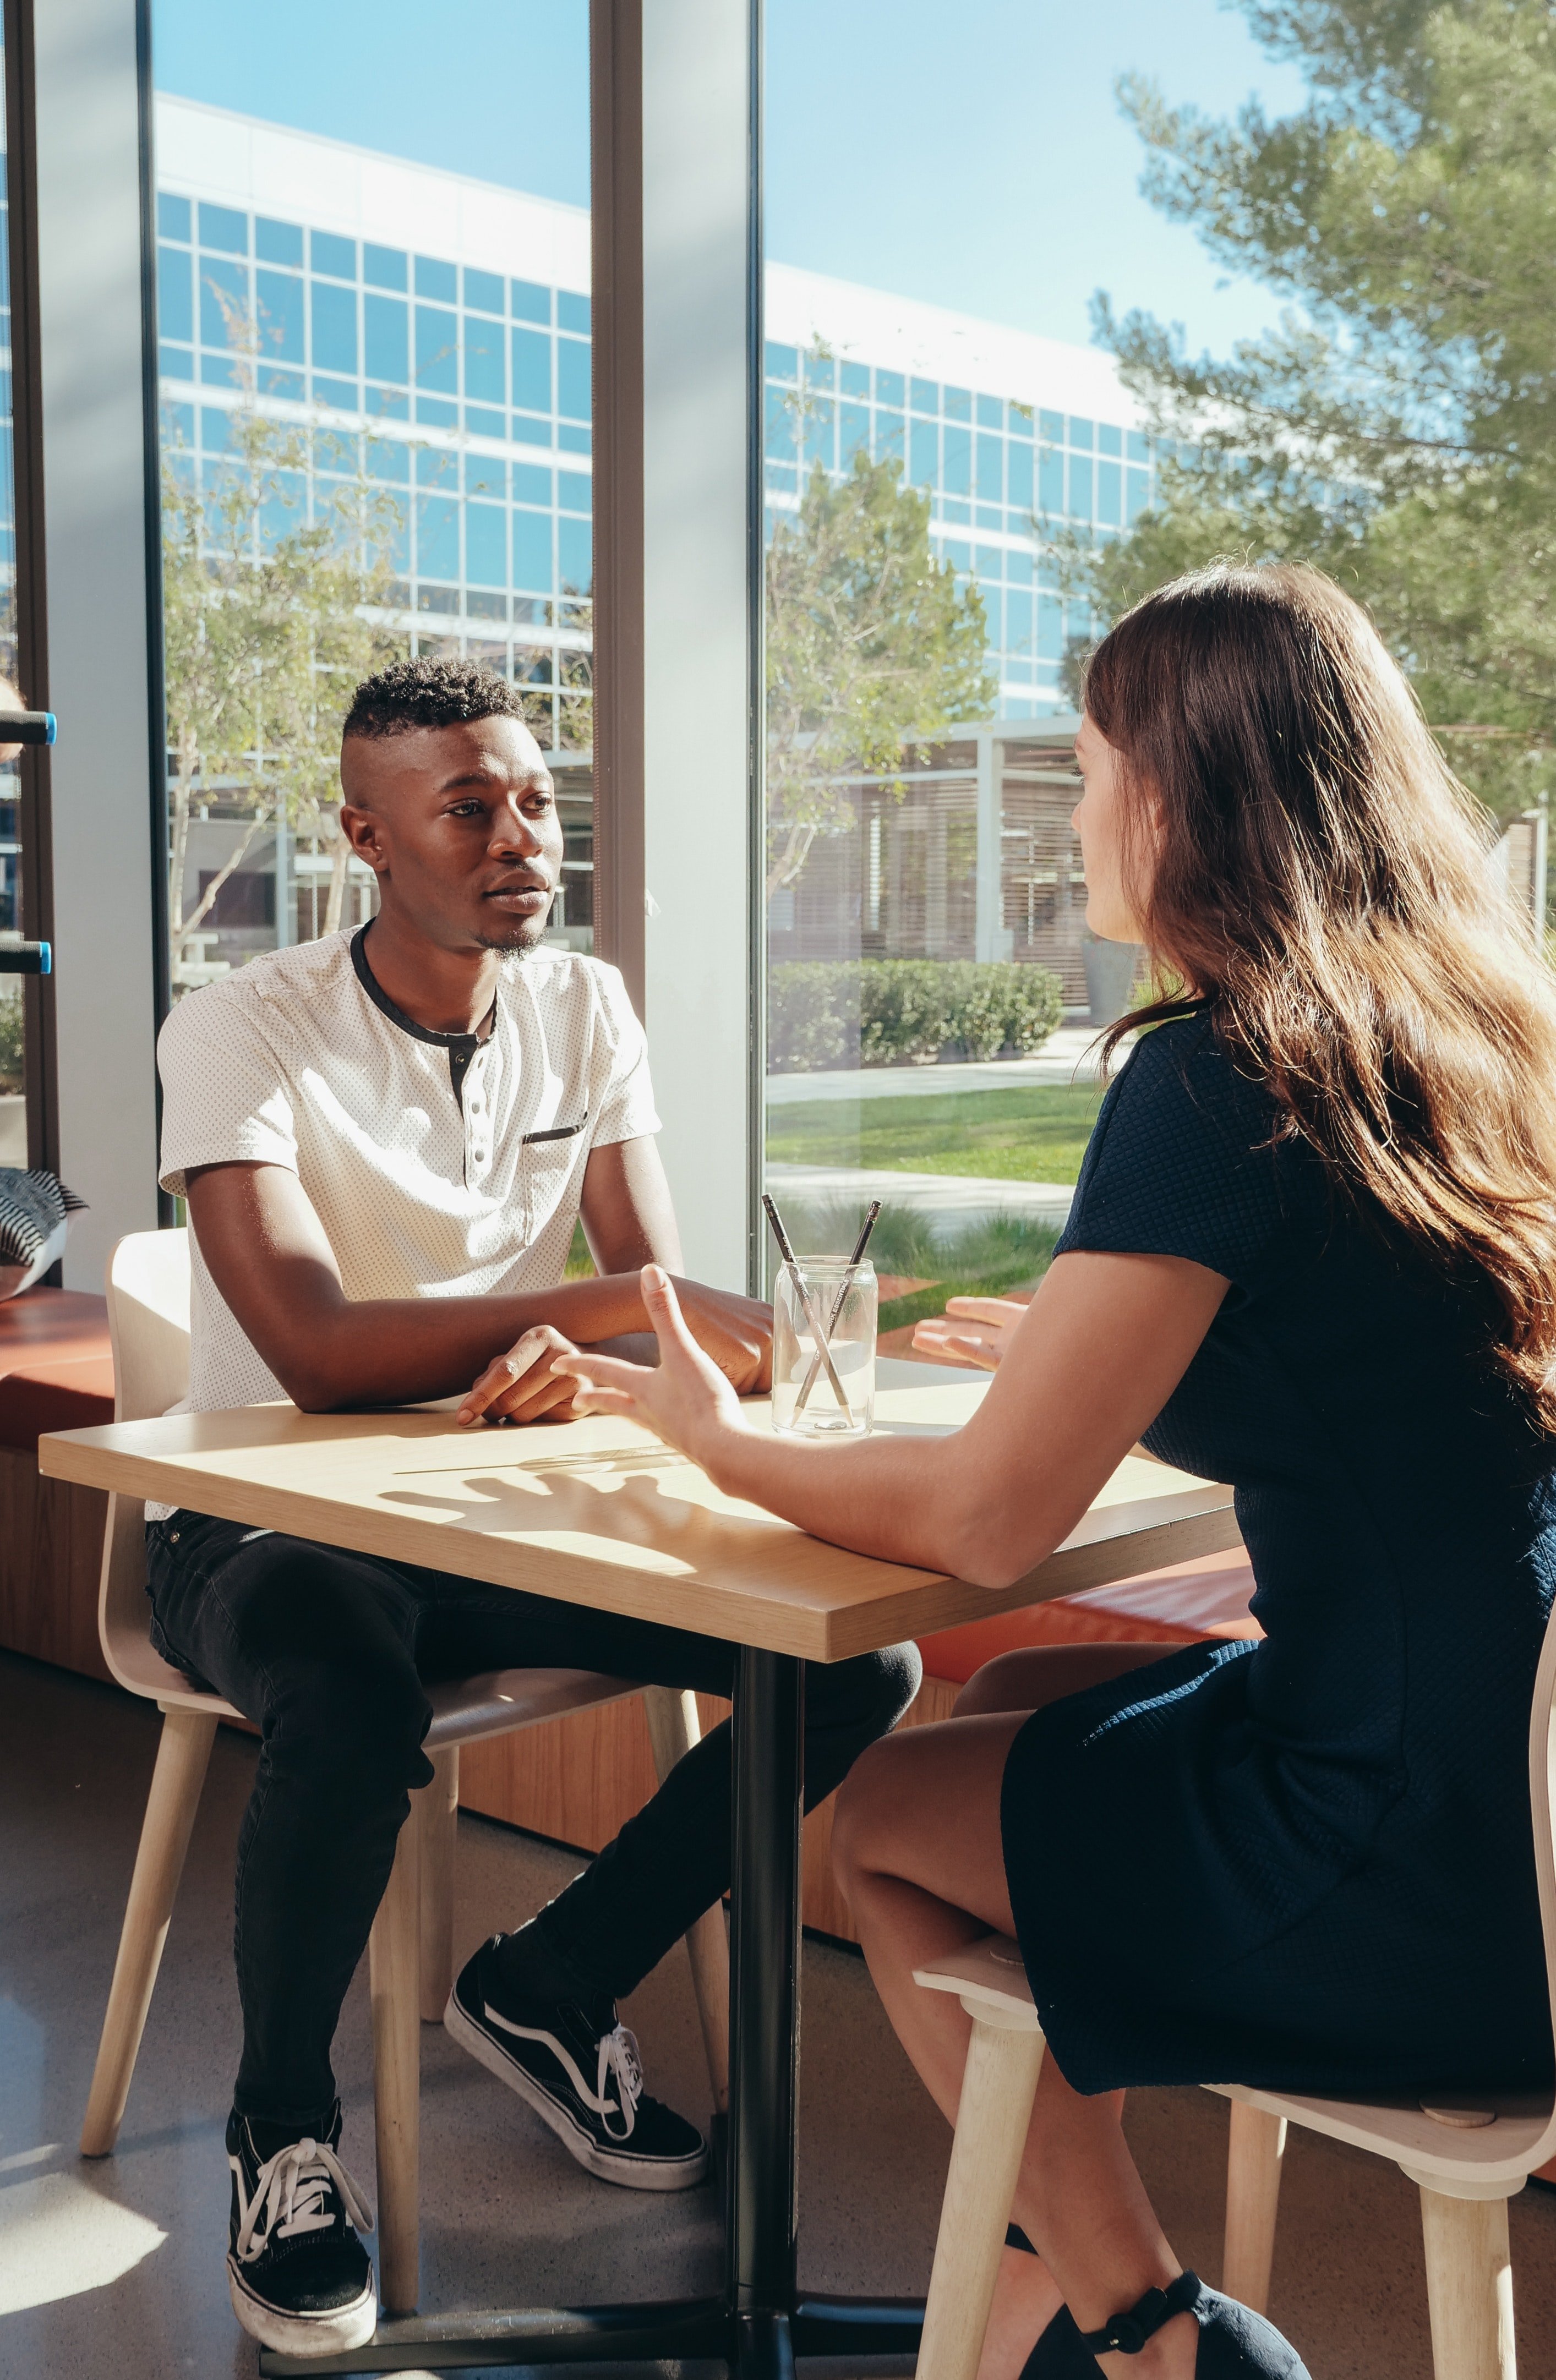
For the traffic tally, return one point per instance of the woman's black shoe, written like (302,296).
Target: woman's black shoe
(1060,2353)
(1235,2342)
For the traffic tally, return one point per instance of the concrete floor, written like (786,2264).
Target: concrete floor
(116,2268)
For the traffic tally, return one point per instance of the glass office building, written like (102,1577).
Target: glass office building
(431,334)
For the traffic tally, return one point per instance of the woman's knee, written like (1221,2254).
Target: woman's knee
(1037,1674)
(864,1798)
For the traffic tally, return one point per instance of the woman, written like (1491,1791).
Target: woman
(1312,1252)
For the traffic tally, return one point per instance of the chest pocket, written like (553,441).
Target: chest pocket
(551,1157)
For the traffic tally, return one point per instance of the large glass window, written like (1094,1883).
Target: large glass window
(968,464)
(361,431)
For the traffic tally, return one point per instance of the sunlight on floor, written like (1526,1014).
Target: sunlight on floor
(62,2238)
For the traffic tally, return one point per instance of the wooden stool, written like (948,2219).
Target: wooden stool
(998,2084)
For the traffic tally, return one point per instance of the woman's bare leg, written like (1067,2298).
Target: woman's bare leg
(917,1843)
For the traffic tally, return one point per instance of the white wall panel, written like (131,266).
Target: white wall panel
(697,699)
(89,271)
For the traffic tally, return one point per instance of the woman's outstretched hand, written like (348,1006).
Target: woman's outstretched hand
(977,1330)
(684,1401)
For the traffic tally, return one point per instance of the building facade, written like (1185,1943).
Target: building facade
(431,334)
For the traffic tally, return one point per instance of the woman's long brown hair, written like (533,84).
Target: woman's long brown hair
(1321,880)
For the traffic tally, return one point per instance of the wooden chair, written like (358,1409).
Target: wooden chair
(411,1948)
(1467,2158)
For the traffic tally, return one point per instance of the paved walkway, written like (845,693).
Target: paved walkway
(1069,1056)
(954,1198)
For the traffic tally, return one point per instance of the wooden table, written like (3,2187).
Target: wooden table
(600,1514)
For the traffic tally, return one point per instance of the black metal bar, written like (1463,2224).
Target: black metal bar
(651,2332)
(858,2329)
(763,2348)
(763,2217)
(32,610)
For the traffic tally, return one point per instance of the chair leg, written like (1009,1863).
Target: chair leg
(394,1968)
(1469,2286)
(993,2117)
(1256,2145)
(183,1754)
(673,1727)
(435,1809)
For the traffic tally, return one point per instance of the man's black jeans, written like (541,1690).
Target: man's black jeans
(330,1654)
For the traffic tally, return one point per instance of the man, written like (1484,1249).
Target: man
(386,1139)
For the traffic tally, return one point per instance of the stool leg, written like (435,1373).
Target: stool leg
(673,1727)
(1469,2286)
(183,1754)
(993,2117)
(436,1810)
(394,1968)
(1255,2149)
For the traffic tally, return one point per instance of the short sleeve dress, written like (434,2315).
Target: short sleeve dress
(1306,1863)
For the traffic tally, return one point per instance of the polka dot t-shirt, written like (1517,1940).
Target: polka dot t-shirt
(438,1165)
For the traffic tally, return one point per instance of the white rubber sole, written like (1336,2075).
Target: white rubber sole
(629,2173)
(294,2333)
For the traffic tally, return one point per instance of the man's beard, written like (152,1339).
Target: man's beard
(521,950)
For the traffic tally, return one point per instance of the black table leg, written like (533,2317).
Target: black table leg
(764,2016)
(760,2323)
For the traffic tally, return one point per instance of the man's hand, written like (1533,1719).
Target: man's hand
(736,1331)
(521,1386)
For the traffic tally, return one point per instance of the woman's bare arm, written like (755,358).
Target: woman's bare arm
(1102,1346)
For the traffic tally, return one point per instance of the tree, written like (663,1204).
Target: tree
(869,642)
(1400,427)
(268,622)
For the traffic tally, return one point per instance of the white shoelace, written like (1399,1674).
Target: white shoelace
(289,2194)
(618,2056)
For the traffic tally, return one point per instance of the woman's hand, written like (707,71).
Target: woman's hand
(977,1330)
(686,1402)
(521,1385)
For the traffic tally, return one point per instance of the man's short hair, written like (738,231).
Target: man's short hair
(429,694)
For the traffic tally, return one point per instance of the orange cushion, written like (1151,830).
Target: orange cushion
(1188,1604)
(56,1369)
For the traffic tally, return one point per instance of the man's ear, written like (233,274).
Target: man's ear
(363,832)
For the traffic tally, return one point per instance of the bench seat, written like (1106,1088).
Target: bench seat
(56,1372)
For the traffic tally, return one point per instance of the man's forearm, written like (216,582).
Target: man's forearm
(396,1351)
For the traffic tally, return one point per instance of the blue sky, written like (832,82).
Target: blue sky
(972,155)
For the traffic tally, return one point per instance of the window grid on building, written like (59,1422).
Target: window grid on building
(463,395)
(998,467)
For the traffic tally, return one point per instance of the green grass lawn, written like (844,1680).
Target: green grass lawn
(1036,1134)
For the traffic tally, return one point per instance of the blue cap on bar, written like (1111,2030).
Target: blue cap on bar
(45,950)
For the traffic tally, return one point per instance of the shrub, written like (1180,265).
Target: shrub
(812,1016)
(892,1011)
(902,1010)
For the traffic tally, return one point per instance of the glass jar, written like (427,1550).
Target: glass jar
(826,1305)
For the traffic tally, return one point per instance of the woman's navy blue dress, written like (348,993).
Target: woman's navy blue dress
(1306,1863)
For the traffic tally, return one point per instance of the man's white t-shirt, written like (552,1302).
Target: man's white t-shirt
(440,1166)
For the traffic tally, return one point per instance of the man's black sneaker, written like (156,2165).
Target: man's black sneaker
(299,2276)
(579,2069)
